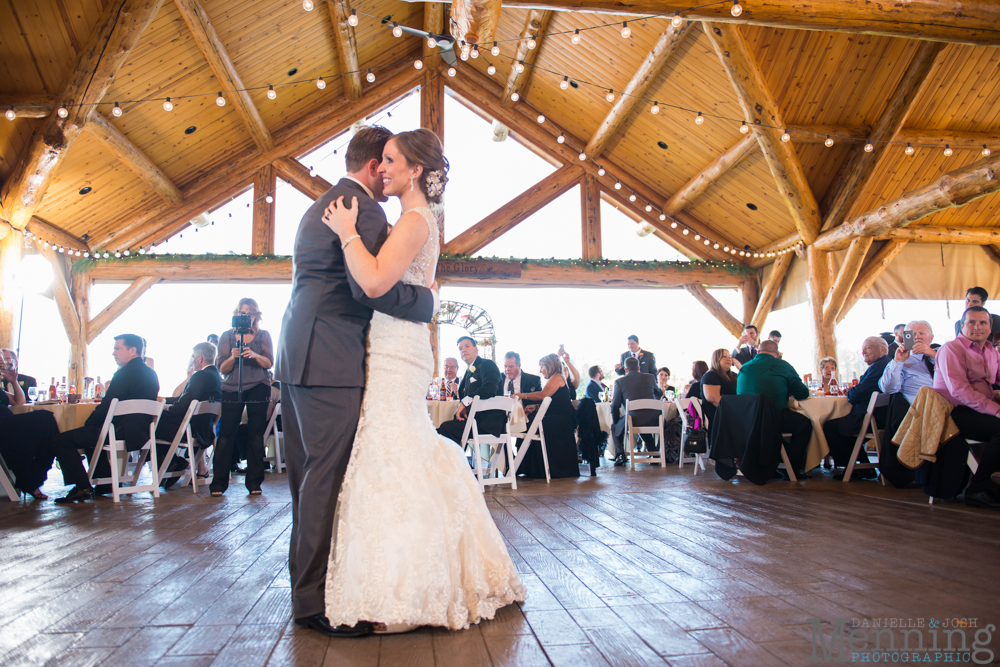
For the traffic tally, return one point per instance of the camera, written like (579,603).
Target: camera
(242,323)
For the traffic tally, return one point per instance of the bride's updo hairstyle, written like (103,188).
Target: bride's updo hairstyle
(423,147)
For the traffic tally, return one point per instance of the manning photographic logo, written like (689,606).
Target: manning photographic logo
(903,640)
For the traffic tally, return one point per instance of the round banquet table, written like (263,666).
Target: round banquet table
(604,417)
(68,416)
(442,411)
(819,410)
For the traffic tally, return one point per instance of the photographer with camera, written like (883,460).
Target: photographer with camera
(247,353)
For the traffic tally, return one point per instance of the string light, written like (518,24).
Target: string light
(475,52)
(519,66)
(869,148)
(495,51)
(618,185)
(631,197)
(649,207)
(785,136)
(829,141)
(270,93)
(168,105)
(663,216)
(541,118)
(269,199)
(583,156)
(320,83)
(610,97)
(737,8)
(63,113)
(531,43)
(677,20)
(312,172)
(370,77)
(465,51)
(601,171)
(986,151)
(452,71)
(431,43)
(116,111)
(655,109)
(626,31)
(699,119)
(744,128)
(220,100)
(564,84)
(515,96)
(491,70)
(947,151)
(673,224)
(575,39)
(697,237)
(909,149)
(396,30)
(418,64)
(10,114)
(352,20)
(308,5)
(686,231)
(561,138)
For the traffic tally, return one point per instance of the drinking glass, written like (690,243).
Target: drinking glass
(32,393)
(670,394)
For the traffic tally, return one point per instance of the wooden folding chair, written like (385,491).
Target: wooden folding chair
(697,459)
(496,445)
(114,446)
(184,438)
(631,430)
(869,431)
(272,431)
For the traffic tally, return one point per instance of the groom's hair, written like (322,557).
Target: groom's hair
(468,338)
(367,144)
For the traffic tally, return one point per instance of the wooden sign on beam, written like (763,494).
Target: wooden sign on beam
(478,268)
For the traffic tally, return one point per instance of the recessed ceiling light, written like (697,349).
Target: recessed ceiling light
(662,144)
(190,130)
(574,84)
(387,19)
(752,207)
(85,189)
(293,71)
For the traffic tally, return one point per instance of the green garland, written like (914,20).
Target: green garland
(84,264)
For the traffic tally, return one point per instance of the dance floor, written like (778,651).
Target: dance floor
(644,567)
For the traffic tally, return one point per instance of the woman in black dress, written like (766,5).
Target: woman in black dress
(719,381)
(559,424)
(25,439)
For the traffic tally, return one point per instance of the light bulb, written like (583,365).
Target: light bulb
(828,142)
(269,199)
(126,253)
(308,5)
(62,249)
(491,70)
(869,148)
(677,20)
(561,138)
(631,197)
(947,151)
(649,208)
(697,237)
(655,109)
(475,52)
(463,54)
(62,112)
(531,43)
(418,64)
(9,114)
(785,136)
(737,8)
(220,100)
(116,111)
(312,172)
(168,105)
(352,20)
(519,66)
(725,249)
(77,253)
(699,119)
(575,39)
(618,185)
(465,50)
(663,216)
(610,97)
(986,151)
(320,83)
(707,241)
(452,71)
(431,43)
(909,149)
(117,254)
(673,225)
(396,30)
(86,254)
(541,118)
(514,97)
(495,50)
(270,93)
(686,231)
(564,84)
(370,77)
(142,251)
(583,156)
(626,31)
(601,171)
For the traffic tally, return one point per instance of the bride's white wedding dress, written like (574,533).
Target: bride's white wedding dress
(414,543)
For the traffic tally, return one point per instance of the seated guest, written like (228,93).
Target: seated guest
(976,296)
(559,424)
(570,373)
(827,371)
(8,359)
(897,339)
(451,377)
(513,381)
(133,380)
(966,370)
(698,370)
(719,381)
(634,386)
(482,379)
(205,385)
(646,359)
(841,433)
(663,380)
(775,335)
(909,370)
(25,439)
(595,390)
(775,378)
(746,346)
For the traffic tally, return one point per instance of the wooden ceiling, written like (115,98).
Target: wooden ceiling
(817,78)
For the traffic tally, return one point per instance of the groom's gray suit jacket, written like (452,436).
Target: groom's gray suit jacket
(323,331)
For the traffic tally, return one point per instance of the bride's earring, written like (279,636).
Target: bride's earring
(411,183)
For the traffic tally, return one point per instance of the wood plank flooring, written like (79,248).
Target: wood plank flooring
(644,567)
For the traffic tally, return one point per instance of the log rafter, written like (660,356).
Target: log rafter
(845,279)
(534,27)
(876,263)
(103,319)
(770,291)
(710,175)
(297,174)
(475,21)
(133,158)
(712,305)
(347,48)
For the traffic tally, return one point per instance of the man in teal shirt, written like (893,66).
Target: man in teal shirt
(775,378)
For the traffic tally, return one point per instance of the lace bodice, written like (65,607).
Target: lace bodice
(416,273)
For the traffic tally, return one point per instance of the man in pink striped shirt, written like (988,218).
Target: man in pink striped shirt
(967,369)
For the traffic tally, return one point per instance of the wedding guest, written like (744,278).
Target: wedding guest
(636,385)
(909,370)
(570,373)
(719,381)
(698,370)
(482,379)
(595,390)
(646,359)
(896,341)
(827,370)
(133,380)
(663,380)
(258,357)
(775,335)
(8,359)
(966,370)
(514,381)
(559,424)
(746,346)
(25,439)
(842,432)
(451,376)
(976,296)
(213,339)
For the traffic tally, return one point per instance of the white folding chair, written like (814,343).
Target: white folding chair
(496,444)
(869,432)
(7,481)
(272,431)
(536,433)
(697,459)
(631,430)
(114,446)
(184,438)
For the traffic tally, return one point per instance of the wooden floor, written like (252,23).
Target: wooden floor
(644,567)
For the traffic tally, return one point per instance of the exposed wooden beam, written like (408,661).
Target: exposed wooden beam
(731,324)
(116,33)
(475,21)
(856,171)
(770,292)
(750,291)
(133,158)
(963,22)
(28,106)
(61,293)
(956,139)
(534,27)
(264,185)
(432,102)
(956,188)
(515,211)
(590,223)
(872,269)
(638,86)
(346,47)
(51,233)
(819,277)
(984,236)
(433,23)
(211,46)
(114,310)
(845,279)
(80,289)
(760,110)
(816,134)
(11,249)
(710,175)
(297,174)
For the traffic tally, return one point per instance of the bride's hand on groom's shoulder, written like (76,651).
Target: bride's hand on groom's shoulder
(341,220)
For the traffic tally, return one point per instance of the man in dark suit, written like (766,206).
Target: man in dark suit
(595,389)
(133,380)
(646,359)
(746,346)
(320,362)
(205,384)
(515,381)
(482,379)
(8,358)
(841,433)
(634,386)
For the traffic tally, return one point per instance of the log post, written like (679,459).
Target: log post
(432,112)
(434,24)
(826,338)
(78,349)
(11,249)
(590,212)
(870,272)
(264,184)
(61,280)
(731,324)
(845,280)
(750,290)
(770,291)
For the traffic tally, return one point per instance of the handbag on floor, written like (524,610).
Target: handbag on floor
(696,438)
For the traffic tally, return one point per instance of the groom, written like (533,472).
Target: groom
(320,363)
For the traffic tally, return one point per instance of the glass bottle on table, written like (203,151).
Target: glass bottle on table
(98,389)
(53,389)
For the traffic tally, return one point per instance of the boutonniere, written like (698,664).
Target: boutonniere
(640,355)
(472,369)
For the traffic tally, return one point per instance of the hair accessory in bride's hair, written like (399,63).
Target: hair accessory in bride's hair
(435,183)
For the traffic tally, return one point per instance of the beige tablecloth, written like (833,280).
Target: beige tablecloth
(68,417)
(819,410)
(442,411)
(604,417)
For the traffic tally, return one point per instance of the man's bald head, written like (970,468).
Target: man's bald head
(768,347)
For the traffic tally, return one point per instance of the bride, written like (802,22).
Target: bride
(414,543)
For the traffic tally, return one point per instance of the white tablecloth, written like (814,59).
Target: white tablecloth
(68,416)
(604,417)
(819,410)
(442,411)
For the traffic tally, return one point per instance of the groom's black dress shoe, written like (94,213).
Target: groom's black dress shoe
(78,493)
(321,624)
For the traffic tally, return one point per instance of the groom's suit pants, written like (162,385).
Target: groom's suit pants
(319,425)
